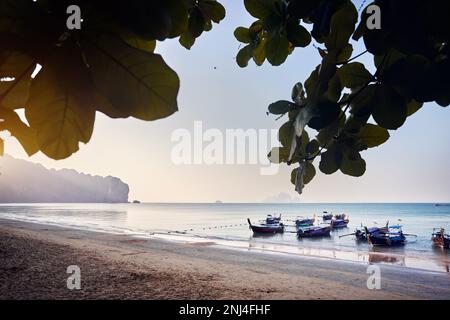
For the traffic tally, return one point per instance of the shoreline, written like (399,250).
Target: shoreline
(365,257)
(34,258)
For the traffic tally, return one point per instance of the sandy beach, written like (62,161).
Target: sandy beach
(34,260)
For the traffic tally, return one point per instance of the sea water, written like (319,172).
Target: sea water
(226,224)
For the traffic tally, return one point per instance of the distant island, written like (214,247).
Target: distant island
(27,182)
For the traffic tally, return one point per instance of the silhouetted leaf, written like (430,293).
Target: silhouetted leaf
(60,111)
(243,57)
(312,147)
(342,26)
(330,160)
(213,10)
(259,8)
(242,35)
(373,135)
(280,107)
(20,67)
(390,110)
(277,49)
(353,164)
(24,134)
(136,83)
(298,35)
(354,75)
(413,107)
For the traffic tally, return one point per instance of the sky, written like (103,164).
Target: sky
(411,167)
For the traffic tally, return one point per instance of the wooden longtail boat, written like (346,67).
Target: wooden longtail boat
(340,221)
(266,228)
(440,239)
(314,232)
(327,216)
(272,219)
(304,222)
(394,237)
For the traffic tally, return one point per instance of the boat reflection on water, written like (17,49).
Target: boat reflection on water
(266,235)
(375,257)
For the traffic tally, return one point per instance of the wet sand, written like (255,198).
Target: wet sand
(34,259)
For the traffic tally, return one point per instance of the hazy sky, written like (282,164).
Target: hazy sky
(411,166)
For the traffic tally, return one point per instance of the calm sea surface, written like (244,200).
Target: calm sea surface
(226,224)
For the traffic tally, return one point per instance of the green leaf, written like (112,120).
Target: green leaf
(213,10)
(363,102)
(20,67)
(346,53)
(325,113)
(60,111)
(277,49)
(24,134)
(310,173)
(243,57)
(280,107)
(373,135)
(353,164)
(137,42)
(331,160)
(298,35)
(342,26)
(334,90)
(179,17)
(354,75)
(187,40)
(327,134)
(259,8)
(298,93)
(390,111)
(413,107)
(242,35)
(286,134)
(136,83)
(278,155)
(196,23)
(312,147)
(259,53)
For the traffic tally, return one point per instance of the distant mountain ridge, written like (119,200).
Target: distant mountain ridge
(22,181)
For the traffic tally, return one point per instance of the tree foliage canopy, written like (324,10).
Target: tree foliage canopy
(109,66)
(339,99)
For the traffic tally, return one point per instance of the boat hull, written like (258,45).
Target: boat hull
(304,223)
(385,240)
(338,224)
(314,232)
(441,242)
(267,230)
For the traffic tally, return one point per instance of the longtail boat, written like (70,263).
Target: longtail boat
(305,222)
(327,216)
(440,239)
(273,219)
(313,232)
(339,221)
(362,233)
(394,237)
(266,228)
